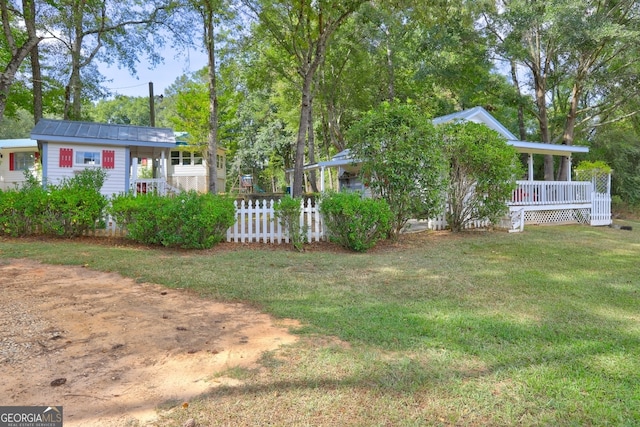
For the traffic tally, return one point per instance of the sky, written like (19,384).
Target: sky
(162,76)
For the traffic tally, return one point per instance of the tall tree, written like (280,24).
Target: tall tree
(301,30)
(575,53)
(17,44)
(110,30)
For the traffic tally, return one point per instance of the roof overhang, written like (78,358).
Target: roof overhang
(552,149)
(18,143)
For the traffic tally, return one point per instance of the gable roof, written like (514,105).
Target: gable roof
(102,134)
(477,115)
(480,115)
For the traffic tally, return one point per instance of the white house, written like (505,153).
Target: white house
(533,202)
(16,156)
(68,147)
(188,170)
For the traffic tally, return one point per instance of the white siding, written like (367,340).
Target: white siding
(115,182)
(8,178)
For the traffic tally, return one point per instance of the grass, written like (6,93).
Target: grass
(537,328)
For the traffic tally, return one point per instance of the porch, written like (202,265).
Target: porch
(557,202)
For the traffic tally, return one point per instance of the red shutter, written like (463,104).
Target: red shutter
(66,157)
(12,166)
(108,159)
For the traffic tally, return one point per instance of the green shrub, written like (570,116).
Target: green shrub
(67,209)
(196,221)
(189,220)
(140,215)
(287,210)
(75,205)
(355,222)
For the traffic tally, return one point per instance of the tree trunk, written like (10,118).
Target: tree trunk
(18,54)
(37,84)
(312,150)
(522,132)
(298,171)
(212,145)
(569,130)
(390,68)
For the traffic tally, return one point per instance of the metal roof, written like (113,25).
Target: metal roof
(18,143)
(102,134)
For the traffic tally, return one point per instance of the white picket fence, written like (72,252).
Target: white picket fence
(256,222)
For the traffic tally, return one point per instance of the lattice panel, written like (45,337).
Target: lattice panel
(557,216)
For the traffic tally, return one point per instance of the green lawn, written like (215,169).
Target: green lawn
(533,328)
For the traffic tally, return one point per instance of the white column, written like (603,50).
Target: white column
(322,179)
(530,167)
(134,169)
(568,168)
(163,165)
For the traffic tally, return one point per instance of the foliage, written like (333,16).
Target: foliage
(287,210)
(22,209)
(76,204)
(67,210)
(189,220)
(401,161)
(598,166)
(618,145)
(482,173)
(355,222)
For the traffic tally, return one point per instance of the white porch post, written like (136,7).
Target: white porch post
(530,167)
(163,165)
(568,168)
(134,169)
(322,179)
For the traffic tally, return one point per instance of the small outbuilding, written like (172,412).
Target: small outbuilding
(68,147)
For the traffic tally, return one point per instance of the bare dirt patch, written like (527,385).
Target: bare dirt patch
(111,350)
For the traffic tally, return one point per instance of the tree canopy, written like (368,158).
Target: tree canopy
(291,78)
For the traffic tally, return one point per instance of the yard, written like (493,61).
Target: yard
(482,328)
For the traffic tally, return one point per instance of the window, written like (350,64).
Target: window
(87,158)
(21,161)
(175,158)
(220,161)
(185,158)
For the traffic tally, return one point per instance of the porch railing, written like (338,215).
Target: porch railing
(157,186)
(530,193)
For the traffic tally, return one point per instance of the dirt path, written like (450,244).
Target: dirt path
(122,348)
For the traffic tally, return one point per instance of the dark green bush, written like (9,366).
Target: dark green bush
(188,220)
(355,222)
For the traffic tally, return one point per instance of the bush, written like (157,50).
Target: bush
(196,221)
(482,173)
(67,209)
(189,220)
(402,161)
(287,210)
(75,205)
(355,222)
